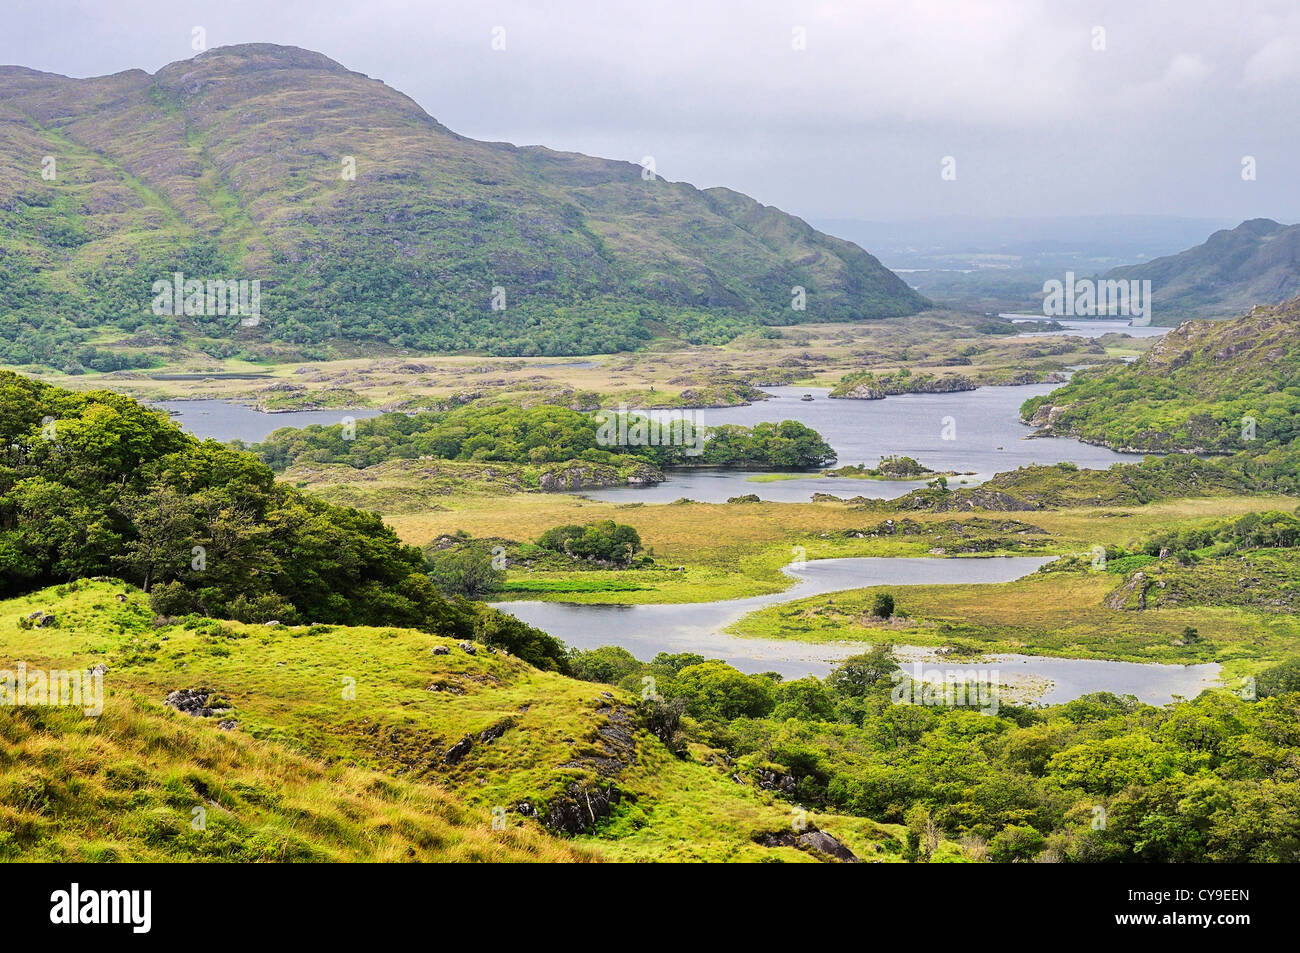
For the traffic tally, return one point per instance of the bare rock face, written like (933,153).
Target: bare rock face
(589,476)
(458,751)
(865,392)
(581,808)
(814,841)
(1045,416)
(1132,595)
(197,702)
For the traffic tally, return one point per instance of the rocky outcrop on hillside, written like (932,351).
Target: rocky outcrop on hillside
(591,476)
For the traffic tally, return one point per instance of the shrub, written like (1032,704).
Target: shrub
(501,630)
(609,664)
(1015,842)
(171,598)
(464,571)
(606,541)
(883,607)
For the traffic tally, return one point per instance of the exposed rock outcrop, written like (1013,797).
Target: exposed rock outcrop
(814,841)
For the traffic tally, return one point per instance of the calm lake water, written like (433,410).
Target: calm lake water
(989,439)
(646,630)
(1087,328)
(222,420)
(985,423)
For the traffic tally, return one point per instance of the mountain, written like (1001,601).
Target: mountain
(1258,262)
(234,166)
(1205,386)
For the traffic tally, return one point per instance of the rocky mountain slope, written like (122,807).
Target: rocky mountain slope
(1204,387)
(367,221)
(1258,262)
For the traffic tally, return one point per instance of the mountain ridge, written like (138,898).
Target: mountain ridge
(234,164)
(1258,262)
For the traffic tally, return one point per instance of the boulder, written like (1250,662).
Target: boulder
(458,751)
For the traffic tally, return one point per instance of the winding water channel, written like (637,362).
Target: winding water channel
(988,438)
(646,630)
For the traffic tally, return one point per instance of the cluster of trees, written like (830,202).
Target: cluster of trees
(95,484)
(1102,778)
(1270,529)
(603,541)
(541,434)
(788,445)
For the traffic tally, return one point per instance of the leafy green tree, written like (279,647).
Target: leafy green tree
(609,664)
(1016,842)
(858,674)
(501,630)
(716,691)
(165,530)
(883,607)
(807,699)
(464,571)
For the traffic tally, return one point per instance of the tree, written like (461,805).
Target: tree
(716,691)
(605,541)
(883,607)
(464,571)
(164,525)
(857,674)
(1015,842)
(806,699)
(609,664)
(500,630)
(922,838)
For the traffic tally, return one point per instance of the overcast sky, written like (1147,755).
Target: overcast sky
(1040,121)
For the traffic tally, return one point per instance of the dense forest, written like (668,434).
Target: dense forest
(94,484)
(542,434)
(1101,778)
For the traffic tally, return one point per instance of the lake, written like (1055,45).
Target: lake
(988,438)
(1087,328)
(223,420)
(646,630)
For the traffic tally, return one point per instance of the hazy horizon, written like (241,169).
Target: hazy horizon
(826,110)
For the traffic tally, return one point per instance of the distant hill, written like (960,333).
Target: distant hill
(1258,262)
(234,165)
(1196,389)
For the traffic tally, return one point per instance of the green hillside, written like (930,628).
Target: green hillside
(310,692)
(234,165)
(1197,389)
(1258,262)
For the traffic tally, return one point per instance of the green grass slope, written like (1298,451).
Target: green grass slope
(314,772)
